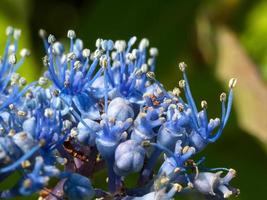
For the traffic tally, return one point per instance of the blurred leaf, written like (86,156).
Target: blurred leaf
(254,35)
(251,92)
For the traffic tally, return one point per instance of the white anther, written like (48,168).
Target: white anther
(27,183)
(143,44)
(71,34)
(98,43)
(153,51)
(132,40)
(11,49)
(16,34)
(42,33)
(71,56)
(130,56)
(45,61)
(177,187)
(22,81)
(232,172)
(182,66)
(25,164)
(232,82)
(12,59)
(144,68)
(9,30)
(97,53)
(77,64)
(24,52)
(150,75)
(103,61)
(15,77)
(204,104)
(51,39)
(176,91)
(223,96)
(86,53)
(182,83)
(120,45)
(42,81)
(21,113)
(48,112)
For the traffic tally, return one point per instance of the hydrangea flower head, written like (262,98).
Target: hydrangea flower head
(104,109)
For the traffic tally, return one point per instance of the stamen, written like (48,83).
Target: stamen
(42,33)
(120,45)
(9,30)
(22,81)
(86,53)
(12,59)
(204,104)
(17,34)
(153,51)
(223,97)
(26,164)
(98,43)
(176,92)
(24,53)
(182,66)
(42,81)
(51,39)
(22,113)
(48,113)
(71,34)
(232,83)
(45,61)
(27,183)
(181,83)
(144,43)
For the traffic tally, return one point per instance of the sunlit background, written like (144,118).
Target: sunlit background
(217,39)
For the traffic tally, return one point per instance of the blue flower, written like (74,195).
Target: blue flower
(104,108)
(213,184)
(146,123)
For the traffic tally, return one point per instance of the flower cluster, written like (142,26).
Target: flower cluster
(104,109)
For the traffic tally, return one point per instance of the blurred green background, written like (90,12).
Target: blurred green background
(217,39)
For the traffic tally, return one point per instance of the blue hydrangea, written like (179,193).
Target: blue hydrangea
(104,109)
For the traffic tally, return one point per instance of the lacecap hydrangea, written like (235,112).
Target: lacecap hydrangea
(104,109)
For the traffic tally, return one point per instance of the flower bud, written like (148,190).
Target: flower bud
(129,157)
(120,109)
